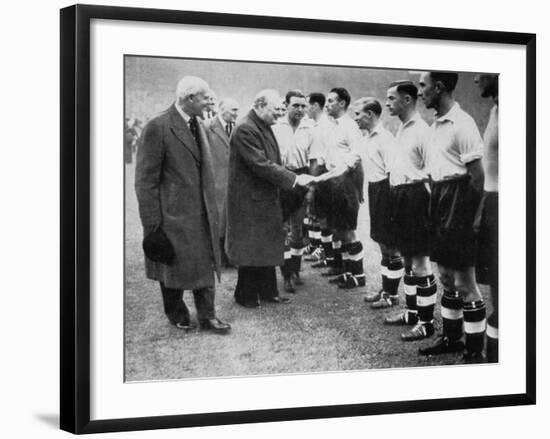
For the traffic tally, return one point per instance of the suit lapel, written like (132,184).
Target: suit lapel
(208,192)
(217,128)
(183,133)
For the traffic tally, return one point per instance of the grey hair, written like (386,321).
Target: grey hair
(227,103)
(264,96)
(191,85)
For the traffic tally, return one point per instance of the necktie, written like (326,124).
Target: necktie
(193,126)
(229,128)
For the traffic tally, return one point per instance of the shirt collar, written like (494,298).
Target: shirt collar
(412,120)
(375,130)
(322,119)
(223,122)
(450,115)
(182,113)
(342,119)
(304,123)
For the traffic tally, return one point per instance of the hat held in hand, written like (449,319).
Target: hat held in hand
(158,248)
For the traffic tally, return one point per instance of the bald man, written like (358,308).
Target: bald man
(255,234)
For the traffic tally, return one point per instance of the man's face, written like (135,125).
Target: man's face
(296,109)
(361,118)
(272,110)
(231,112)
(281,109)
(488,85)
(313,110)
(197,103)
(334,105)
(211,105)
(427,90)
(395,102)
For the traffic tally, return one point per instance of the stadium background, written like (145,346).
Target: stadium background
(151,83)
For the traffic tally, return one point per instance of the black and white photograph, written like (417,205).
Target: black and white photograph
(244,219)
(286,218)
(278,218)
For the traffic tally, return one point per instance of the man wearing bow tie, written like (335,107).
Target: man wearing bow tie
(218,131)
(175,190)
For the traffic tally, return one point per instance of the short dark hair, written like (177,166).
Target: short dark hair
(343,95)
(371,104)
(317,98)
(406,87)
(293,94)
(448,79)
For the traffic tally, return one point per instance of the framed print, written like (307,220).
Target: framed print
(284,218)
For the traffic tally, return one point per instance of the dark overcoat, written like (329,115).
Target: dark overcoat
(255,235)
(175,189)
(219,146)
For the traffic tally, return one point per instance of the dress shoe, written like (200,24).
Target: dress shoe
(289,285)
(419,332)
(216,326)
(373,297)
(185,325)
(404,318)
(278,299)
(386,301)
(443,345)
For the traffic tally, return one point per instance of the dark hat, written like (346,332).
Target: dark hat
(158,248)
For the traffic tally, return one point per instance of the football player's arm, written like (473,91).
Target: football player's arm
(475,169)
(470,148)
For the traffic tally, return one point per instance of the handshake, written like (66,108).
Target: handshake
(305,180)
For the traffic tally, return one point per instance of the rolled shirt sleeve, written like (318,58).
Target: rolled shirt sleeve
(469,142)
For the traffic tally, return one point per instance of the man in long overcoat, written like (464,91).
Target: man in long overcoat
(218,131)
(255,235)
(175,190)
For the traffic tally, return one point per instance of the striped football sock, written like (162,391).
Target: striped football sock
(452,314)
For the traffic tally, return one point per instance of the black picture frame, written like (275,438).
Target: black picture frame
(75,217)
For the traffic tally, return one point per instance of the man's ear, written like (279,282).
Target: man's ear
(439,86)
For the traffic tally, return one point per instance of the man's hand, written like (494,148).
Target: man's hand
(304,180)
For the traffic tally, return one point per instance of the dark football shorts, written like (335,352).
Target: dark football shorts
(293,199)
(337,200)
(453,208)
(410,218)
(380,211)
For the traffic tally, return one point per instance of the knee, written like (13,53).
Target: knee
(447,280)
(465,282)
